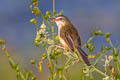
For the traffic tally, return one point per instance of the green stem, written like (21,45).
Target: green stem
(111,44)
(48,54)
(53,16)
(66,70)
(67,73)
(41,71)
(13,63)
(36,25)
(64,78)
(44,18)
(91,38)
(53,7)
(91,76)
(101,54)
(100,72)
(42,74)
(114,52)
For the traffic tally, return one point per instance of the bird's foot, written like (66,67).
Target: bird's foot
(78,60)
(58,46)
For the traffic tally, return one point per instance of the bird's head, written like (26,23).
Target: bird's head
(61,20)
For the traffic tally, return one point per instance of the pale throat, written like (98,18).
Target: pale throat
(60,24)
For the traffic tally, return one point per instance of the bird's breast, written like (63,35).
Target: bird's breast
(62,41)
(64,44)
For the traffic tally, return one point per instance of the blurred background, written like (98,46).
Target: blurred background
(19,33)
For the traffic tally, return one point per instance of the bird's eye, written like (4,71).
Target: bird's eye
(60,19)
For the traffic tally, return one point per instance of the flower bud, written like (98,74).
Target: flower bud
(107,34)
(98,32)
(32,61)
(2,42)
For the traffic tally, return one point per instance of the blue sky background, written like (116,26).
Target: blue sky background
(19,33)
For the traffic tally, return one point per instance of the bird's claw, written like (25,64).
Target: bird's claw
(78,60)
(57,46)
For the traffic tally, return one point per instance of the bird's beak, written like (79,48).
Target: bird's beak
(52,20)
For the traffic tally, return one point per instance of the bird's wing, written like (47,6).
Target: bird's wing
(66,37)
(77,46)
(72,42)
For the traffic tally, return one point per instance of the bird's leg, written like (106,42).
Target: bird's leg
(78,60)
(66,52)
(58,46)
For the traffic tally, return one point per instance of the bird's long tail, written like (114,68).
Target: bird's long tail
(83,55)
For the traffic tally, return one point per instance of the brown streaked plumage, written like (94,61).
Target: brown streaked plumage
(69,37)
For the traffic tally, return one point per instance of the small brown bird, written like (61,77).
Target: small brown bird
(69,37)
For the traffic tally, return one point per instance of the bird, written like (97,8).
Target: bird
(69,37)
